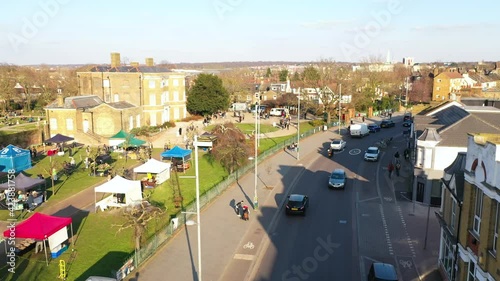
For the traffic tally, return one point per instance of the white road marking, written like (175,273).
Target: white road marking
(244,257)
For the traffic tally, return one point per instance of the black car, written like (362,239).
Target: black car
(407,123)
(296,204)
(373,128)
(407,116)
(387,124)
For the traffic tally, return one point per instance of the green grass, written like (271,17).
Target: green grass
(249,128)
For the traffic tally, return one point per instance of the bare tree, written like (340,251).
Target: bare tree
(137,217)
(231,148)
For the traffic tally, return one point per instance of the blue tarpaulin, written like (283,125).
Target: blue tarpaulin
(14,158)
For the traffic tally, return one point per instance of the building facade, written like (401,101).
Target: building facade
(447,85)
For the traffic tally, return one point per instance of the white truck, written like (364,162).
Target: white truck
(239,106)
(359,130)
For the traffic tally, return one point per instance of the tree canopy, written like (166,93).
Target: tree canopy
(207,96)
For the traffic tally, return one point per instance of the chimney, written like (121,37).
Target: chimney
(115,60)
(60,99)
(149,62)
(134,64)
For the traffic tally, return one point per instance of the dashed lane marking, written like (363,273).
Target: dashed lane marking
(244,257)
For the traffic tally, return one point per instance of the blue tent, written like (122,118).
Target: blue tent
(14,158)
(176,152)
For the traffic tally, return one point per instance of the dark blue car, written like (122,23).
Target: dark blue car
(373,128)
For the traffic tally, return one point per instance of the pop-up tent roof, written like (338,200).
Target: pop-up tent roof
(59,139)
(176,152)
(119,185)
(39,227)
(23,182)
(120,135)
(14,158)
(153,166)
(132,142)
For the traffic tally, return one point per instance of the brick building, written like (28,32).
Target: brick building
(117,97)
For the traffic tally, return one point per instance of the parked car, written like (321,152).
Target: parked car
(382,272)
(373,128)
(337,179)
(338,144)
(387,124)
(296,204)
(407,123)
(372,153)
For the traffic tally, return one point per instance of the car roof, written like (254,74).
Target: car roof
(372,125)
(336,140)
(296,197)
(373,147)
(385,271)
(338,171)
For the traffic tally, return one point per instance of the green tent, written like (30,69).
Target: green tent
(120,135)
(132,142)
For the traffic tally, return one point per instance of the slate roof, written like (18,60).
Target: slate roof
(453,123)
(128,68)
(451,75)
(77,102)
(120,105)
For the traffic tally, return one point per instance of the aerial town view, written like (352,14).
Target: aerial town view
(228,140)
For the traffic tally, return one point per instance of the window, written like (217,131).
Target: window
(438,88)
(152,119)
(105,83)
(116,98)
(53,123)
(453,213)
(471,272)
(497,226)
(176,82)
(439,80)
(176,96)
(69,124)
(164,83)
(152,99)
(478,208)
(138,120)
(152,84)
(448,256)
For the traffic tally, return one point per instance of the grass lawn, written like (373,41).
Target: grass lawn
(248,128)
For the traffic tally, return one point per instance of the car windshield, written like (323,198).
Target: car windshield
(336,142)
(372,151)
(337,176)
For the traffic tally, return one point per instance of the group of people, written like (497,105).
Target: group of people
(396,166)
(242,211)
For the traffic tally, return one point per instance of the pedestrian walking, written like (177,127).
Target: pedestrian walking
(396,155)
(390,168)
(180,131)
(398,167)
(363,119)
(237,208)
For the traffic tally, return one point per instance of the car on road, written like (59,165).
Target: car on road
(373,128)
(337,179)
(372,153)
(338,144)
(382,272)
(296,204)
(407,116)
(407,123)
(387,124)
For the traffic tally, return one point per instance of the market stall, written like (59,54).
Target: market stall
(14,158)
(179,157)
(42,229)
(123,193)
(160,172)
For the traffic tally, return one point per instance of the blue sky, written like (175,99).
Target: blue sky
(79,32)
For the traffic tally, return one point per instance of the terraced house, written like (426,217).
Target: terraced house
(118,97)
(470,213)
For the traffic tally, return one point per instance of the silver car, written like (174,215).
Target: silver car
(372,154)
(337,179)
(338,144)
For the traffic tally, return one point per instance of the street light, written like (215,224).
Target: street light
(298,126)
(340,99)
(255,197)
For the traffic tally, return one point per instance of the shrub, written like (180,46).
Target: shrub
(317,122)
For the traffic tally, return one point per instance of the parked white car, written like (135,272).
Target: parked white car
(338,144)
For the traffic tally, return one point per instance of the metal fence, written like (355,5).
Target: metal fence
(150,247)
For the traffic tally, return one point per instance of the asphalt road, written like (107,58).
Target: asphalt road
(344,231)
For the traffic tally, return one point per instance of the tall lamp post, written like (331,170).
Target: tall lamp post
(255,197)
(406,96)
(298,128)
(340,99)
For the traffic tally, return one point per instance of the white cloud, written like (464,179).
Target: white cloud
(450,27)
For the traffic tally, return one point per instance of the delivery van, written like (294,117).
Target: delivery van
(278,111)
(359,130)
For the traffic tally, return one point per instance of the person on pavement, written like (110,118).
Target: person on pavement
(390,168)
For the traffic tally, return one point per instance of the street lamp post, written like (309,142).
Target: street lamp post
(406,96)
(197,175)
(255,197)
(340,99)
(298,128)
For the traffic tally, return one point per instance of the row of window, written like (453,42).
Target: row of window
(152,98)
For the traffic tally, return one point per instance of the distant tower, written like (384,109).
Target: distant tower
(388,58)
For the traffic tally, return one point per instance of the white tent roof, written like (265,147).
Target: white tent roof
(152,166)
(118,185)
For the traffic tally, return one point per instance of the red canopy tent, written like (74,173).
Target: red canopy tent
(39,227)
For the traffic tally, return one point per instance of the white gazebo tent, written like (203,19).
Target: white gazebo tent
(153,166)
(130,191)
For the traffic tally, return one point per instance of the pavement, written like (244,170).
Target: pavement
(222,230)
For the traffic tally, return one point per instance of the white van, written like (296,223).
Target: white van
(359,130)
(278,111)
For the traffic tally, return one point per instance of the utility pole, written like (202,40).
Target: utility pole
(340,99)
